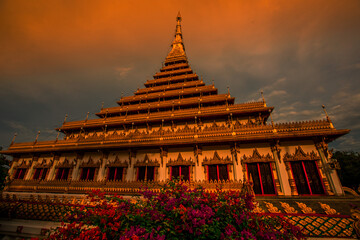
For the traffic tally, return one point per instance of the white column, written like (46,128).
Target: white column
(130,175)
(162,168)
(14,164)
(31,169)
(102,175)
(199,168)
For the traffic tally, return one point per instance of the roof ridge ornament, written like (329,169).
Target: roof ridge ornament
(262,96)
(327,116)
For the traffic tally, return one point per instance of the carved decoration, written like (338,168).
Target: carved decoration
(197,150)
(275,148)
(147,162)
(355,215)
(180,161)
(304,208)
(216,159)
(90,162)
(163,152)
(327,209)
(116,162)
(257,208)
(272,208)
(66,163)
(256,157)
(234,151)
(323,146)
(23,164)
(43,163)
(288,208)
(300,155)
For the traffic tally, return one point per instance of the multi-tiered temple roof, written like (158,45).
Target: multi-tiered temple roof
(176,95)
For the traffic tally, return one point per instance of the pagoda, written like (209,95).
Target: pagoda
(179,127)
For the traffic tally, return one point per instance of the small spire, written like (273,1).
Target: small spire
(102,105)
(177,47)
(228,88)
(65,118)
(272,122)
(57,137)
(327,116)
(37,136)
(262,96)
(87,116)
(12,142)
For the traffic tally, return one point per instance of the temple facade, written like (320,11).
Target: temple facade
(177,126)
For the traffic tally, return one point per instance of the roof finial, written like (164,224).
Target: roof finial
(57,137)
(262,96)
(87,116)
(102,105)
(65,118)
(228,88)
(272,122)
(37,136)
(12,142)
(327,116)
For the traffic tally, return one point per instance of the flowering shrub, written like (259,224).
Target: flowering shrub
(176,212)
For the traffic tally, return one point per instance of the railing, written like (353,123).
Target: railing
(124,187)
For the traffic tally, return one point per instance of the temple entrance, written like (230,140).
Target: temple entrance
(307,178)
(262,177)
(180,171)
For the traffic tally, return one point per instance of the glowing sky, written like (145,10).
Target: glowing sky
(59,57)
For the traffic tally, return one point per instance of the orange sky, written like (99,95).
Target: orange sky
(78,33)
(62,56)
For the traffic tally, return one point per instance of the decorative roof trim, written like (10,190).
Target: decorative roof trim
(180,161)
(300,155)
(257,157)
(216,159)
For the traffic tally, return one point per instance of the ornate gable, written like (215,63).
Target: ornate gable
(216,159)
(180,161)
(116,162)
(147,162)
(66,163)
(300,155)
(257,157)
(90,162)
(43,163)
(23,164)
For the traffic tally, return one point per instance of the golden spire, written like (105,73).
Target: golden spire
(177,47)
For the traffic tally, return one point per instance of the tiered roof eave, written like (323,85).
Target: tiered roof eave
(284,131)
